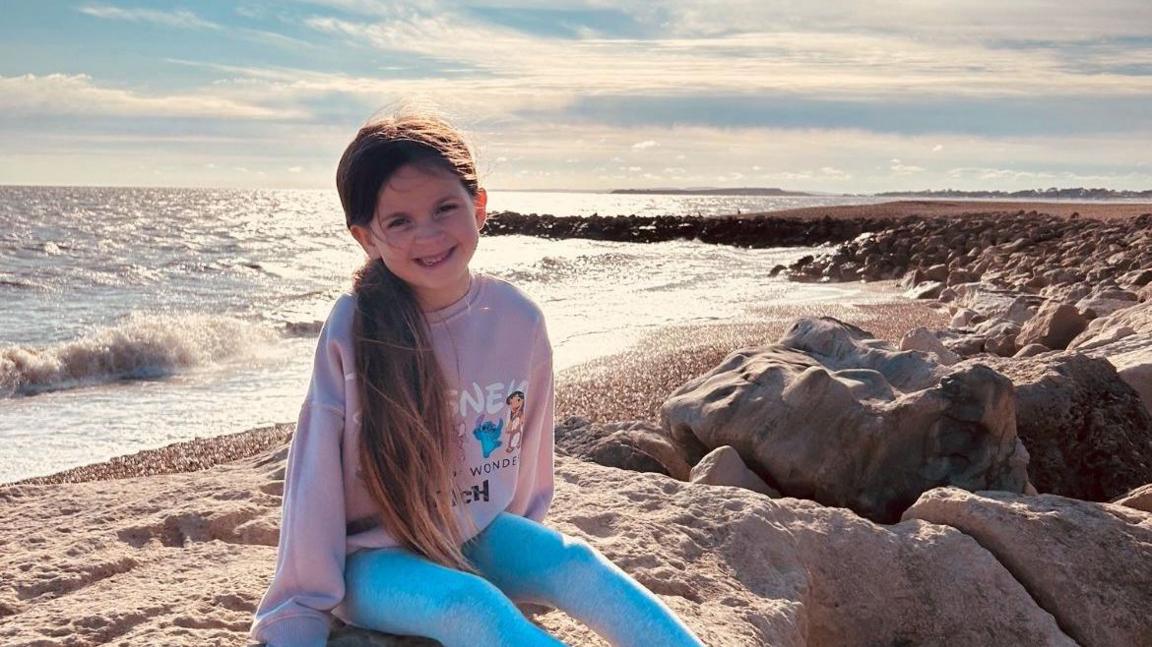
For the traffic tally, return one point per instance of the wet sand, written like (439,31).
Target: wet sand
(631,385)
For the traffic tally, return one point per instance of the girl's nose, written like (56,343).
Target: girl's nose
(428,230)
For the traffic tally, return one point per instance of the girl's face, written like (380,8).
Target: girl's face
(517,403)
(426,229)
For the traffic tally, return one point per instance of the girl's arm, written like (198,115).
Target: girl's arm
(309,577)
(535,484)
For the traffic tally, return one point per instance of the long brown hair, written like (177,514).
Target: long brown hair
(407,432)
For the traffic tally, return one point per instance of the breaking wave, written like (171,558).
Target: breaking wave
(141,346)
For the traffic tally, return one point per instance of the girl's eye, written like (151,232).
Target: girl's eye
(396,222)
(447,207)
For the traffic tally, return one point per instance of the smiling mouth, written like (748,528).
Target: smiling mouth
(433,261)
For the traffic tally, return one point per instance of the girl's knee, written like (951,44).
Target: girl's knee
(468,596)
(577,552)
(577,561)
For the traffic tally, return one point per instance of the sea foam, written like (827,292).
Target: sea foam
(140,346)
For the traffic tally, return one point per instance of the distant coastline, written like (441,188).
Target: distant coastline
(738,191)
(1078,193)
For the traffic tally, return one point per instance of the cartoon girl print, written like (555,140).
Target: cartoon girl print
(515,400)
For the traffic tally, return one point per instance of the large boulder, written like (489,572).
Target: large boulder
(832,415)
(1087,432)
(1088,564)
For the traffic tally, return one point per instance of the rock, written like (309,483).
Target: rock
(1140,498)
(964,344)
(831,415)
(963,317)
(912,278)
(1145,294)
(1124,338)
(1136,320)
(1022,309)
(956,277)
(1103,301)
(923,340)
(1088,564)
(1055,325)
(639,446)
(925,290)
(936,273)
(999,336)
(997,303)
(723,466)
(1031,350)
(1087,432)
(1136,278)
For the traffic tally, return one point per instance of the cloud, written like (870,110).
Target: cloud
(1049,20)
(648,143)
(76,95)
(986,173)
(181,18)
(900,168)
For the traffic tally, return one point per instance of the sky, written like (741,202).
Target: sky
(836,96)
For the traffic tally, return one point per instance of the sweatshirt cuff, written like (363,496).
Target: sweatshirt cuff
(299,631)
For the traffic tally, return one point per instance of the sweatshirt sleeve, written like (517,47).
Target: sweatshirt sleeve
(309,577)
(535,482)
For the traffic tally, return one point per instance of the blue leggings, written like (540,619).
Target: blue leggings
(396,591)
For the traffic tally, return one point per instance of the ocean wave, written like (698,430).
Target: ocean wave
(142,346)
(21,285)
(301,328)
(552,269)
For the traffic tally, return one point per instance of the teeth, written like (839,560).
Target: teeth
(434,260)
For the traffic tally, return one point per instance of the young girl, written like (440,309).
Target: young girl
(398,514)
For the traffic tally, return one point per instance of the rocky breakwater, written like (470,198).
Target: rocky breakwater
(754,231)
(1017,286)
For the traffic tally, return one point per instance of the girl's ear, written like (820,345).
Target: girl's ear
(364,237)
(481,202)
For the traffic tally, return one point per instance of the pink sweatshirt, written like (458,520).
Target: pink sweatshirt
(503,395)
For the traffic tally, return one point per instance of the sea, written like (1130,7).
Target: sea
(132,318)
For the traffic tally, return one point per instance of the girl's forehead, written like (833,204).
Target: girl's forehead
(414,183)
(411,179)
